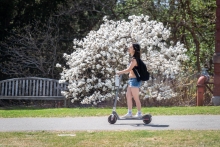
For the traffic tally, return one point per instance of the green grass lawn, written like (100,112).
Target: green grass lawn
(138,138)
(84,112)
(141,138)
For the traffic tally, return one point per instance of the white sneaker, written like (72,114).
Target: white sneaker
(138,115)
(128,115)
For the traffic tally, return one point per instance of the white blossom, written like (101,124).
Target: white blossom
(92,66)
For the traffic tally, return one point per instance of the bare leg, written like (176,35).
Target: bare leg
(135,94)
(129,98)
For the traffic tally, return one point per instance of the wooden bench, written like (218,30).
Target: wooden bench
(32,88)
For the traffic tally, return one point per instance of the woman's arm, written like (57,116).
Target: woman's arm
(131,66)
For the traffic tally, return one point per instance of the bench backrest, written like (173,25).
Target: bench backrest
(31,86)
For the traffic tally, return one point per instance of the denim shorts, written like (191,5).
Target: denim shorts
(132,82)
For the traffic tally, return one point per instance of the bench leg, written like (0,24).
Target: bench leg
(65,103)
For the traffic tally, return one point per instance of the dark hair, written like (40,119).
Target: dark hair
(137,50)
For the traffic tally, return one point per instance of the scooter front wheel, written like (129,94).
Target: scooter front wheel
(147,118)
(112,119)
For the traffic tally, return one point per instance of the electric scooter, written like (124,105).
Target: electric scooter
(147,118)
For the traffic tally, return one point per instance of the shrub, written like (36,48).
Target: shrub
(91,67)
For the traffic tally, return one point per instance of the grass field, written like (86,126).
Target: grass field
(75,112)
(178,138)
(138,138)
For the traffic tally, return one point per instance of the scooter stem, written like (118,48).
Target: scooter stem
(116,92)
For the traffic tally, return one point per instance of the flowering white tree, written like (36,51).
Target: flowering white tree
(92,66)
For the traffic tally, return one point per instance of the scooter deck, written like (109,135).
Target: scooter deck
(131,118)
(114,117)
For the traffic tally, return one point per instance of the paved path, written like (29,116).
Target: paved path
(186,122)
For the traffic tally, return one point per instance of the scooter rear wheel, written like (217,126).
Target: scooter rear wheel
(112,119)
(147,118)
